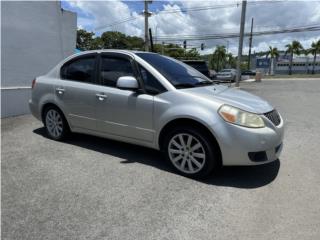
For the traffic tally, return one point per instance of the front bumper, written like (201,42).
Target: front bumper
(249,146)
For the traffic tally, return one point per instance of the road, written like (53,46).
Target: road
(92,188)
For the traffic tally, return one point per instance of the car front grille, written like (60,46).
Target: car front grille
(274,117)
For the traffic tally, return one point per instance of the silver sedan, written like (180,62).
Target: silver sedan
(227,75)
(158,102)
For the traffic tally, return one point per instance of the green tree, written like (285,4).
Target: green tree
(274,53)
(118,40)
(294,48)
(176,51)
(230,60)
(134,43)
(96,43)
(315,48)
(192,54)
(114,40)
(218,58)
(84,40)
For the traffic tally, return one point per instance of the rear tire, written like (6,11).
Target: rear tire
(55,123)
(191,151)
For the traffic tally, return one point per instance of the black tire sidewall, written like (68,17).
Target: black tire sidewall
(209,148)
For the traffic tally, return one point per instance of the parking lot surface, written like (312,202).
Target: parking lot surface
(93,188)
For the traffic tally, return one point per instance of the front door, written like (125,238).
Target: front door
(122,112)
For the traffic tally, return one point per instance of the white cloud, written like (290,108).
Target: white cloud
(266,15)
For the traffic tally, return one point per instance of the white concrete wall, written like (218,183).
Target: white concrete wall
(35,36)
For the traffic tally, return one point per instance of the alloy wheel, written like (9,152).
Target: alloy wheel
(54,123)
(186,153)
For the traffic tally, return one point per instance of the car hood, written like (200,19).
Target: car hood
(232,96)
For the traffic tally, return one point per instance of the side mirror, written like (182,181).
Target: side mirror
(127,83)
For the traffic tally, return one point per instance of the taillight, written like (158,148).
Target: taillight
(33,83)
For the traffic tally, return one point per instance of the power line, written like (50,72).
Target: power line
(193,9)
(168,12)
(271,28)
(235,35)
(116,23)
(182,10)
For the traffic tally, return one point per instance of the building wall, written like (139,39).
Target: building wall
(301,67)
(35,36)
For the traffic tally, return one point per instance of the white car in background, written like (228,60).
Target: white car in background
(227,75)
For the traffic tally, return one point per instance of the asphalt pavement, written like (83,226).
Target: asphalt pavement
(93,188)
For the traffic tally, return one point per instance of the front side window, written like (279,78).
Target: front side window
(151,84)
(112,68)
(81,70)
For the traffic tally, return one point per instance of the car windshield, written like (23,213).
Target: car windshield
(226,70)
(178,74)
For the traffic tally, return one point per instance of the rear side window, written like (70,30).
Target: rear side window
(151,84)
(81,70)
(112,68)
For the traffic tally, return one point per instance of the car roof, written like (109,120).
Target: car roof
(129,52)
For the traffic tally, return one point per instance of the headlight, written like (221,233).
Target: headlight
(237,116)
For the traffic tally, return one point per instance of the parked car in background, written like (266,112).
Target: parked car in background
(248,73)
(199,65)
(158,102)
(227,75)
(213,74)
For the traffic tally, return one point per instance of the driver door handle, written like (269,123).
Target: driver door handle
(101,96)
(60,90)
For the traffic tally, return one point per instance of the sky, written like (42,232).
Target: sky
(97,16)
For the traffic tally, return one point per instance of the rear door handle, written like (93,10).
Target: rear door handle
(60,90)
(101,96)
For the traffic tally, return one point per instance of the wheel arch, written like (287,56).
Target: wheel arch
(50,104)
(187,122)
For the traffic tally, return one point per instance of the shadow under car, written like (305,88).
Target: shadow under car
(237,176)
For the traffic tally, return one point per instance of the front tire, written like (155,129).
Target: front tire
(191,151)
(55,123)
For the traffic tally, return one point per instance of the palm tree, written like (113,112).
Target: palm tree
(294,48)
(273,52)
(315,48)
(220,54)
(230,60)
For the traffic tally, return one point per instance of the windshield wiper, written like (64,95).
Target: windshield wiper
(184,85)
(203,83)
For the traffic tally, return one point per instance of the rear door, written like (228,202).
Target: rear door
(76,91)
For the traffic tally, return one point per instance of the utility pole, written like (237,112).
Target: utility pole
(151,40)
(242,23)
(147,14)
(162,48)
(250,44)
